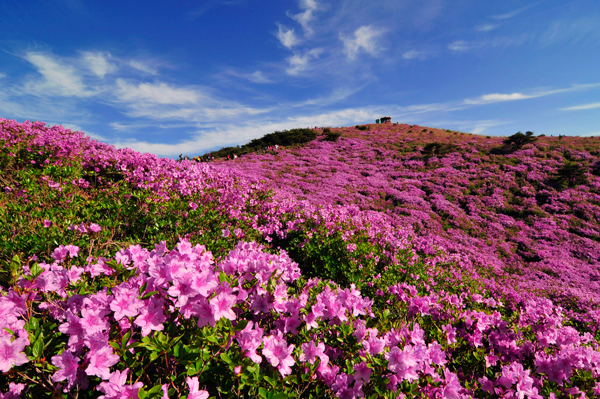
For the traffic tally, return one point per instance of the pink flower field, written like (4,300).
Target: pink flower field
(396,262)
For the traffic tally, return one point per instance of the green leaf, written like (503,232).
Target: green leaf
(262,393)
(241,325)
(125,340)
(225,357)
(38,347)
(143,288)
(148,295)
(15,266)
(114,345)
(270,381)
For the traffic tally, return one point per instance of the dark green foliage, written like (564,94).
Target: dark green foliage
(332,136)
(326,130)
(284,138)
(514,143)
(519,139)
(596,168)
(362,127)
(438,149)
(571,174)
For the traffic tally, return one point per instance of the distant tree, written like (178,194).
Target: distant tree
(519,139)
(332,136)
(571,174)
(284,138)
(437,149)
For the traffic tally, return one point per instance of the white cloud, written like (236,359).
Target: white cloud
(459,46)
(258,77)
(486,27)
(58,79)
(142,66)
(98,63)
(514,13)
(413,54)
(365,38)
(287,37)
(583,106)
(2,75)
(304,18)
(254,77)
(299,63)
(157,93)
(160,101)
(499,97)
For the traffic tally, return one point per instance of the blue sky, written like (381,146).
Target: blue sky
(172,77)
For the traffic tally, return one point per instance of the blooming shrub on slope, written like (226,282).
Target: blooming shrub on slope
(176,322)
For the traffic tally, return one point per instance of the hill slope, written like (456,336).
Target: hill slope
(125,275)
(510,209)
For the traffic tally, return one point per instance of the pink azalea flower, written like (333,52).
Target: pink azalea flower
(250,339)
(362,372)
(195,393)
(11,352)
(221,306)
(115,387)
(100,361)
(278,353)
(151,317)
(67,364)
(311,351)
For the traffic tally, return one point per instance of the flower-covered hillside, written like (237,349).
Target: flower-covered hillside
(124,275)
(517,209)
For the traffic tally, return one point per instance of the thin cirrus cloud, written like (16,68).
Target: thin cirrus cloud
(364,39)
(459,46)
(582,107)
(486,27)
(513,13)
(500,97)
(414,54)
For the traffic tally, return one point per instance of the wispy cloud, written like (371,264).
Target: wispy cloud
(486,27)
(287,37)
(513,13)
(57,78)
(364,39)
(413,54)
(158,93)
(582,107)
(500,97)
(299,62)
(572,31)
(143,66)
(98,63)
(2,75)
(305,18)
(459,46)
